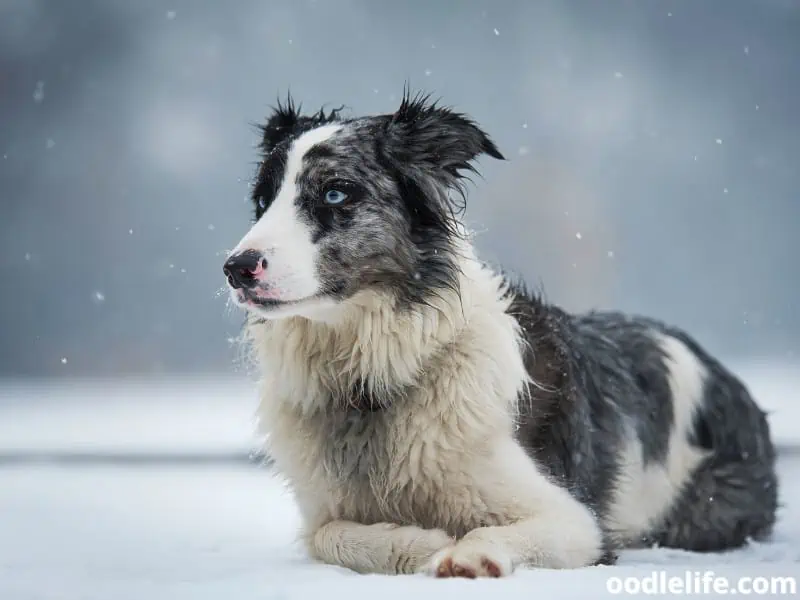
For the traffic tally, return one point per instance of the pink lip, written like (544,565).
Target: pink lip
(257,293)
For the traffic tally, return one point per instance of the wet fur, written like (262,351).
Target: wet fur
(440,418)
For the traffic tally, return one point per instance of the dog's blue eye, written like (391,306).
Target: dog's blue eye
(334,197)
(262,203)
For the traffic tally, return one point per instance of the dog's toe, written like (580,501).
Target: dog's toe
(470,560)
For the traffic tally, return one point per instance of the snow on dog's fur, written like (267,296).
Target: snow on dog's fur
(431,415)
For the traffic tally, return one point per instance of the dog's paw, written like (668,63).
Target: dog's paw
(471,559)
(412,548)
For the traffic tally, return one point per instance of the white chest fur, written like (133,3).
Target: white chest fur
(416,460)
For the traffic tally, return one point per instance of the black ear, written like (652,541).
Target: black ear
(436,138)
(286,121)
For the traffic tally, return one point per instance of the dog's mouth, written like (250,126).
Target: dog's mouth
(265,299)
(261,297)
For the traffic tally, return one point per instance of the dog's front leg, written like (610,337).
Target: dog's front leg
(538,542)
(546,526)
(380,548)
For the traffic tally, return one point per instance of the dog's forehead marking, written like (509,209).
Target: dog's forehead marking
(281,224)
(301,146)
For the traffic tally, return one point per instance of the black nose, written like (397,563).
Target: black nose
(242,270)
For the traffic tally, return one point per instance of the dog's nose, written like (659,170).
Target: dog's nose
(243,270)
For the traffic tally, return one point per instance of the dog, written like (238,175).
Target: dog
(433,416)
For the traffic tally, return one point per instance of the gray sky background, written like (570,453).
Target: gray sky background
(653,153)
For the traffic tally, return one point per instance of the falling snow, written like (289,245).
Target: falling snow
(99,296)
(724,190)
(617,75)
(747,49)
(49,143)
(496,32)
(27,256)
(428,72)
(578,235)
(719,141)
(610,254)
(38,93)
(63,360)
(523,150)
(211,227)
(130,231)
(171,14)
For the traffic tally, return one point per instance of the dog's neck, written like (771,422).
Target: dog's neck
(373,353)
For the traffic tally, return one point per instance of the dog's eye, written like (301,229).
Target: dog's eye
(334,197)
(262,203)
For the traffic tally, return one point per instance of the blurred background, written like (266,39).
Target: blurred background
(653,167)
(652,150)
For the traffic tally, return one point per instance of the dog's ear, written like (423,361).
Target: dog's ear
(436,138)
(287,121)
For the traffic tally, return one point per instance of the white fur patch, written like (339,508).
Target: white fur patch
(645,493)
(282,236)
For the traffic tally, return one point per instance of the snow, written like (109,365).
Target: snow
(38,93)
(100,416)
(227,528)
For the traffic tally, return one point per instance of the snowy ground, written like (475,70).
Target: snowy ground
(114,491)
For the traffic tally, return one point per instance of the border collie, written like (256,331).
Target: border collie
(430,414)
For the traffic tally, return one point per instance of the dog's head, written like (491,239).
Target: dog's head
(344,206)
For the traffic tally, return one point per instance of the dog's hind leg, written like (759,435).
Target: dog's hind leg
(383,548)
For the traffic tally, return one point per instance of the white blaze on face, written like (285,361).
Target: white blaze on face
(282,236)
